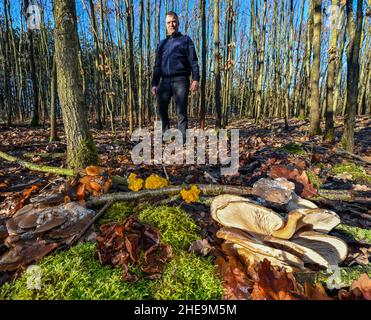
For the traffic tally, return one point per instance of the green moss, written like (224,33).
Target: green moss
(117,212)
(293,148)
(314,179)
(85,155)
(358,173)
(76,274)
(347,275)
(342,279)
(356,233)
(176,227)
(188,276)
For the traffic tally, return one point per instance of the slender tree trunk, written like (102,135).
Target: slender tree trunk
(354,29)
(53,104)
(260,55)
(217,102)
(35,90)
(129,15)
(140,66)
(332,52)
(315,97)
(80,146)
(203,64)
(5,47)
(149,98)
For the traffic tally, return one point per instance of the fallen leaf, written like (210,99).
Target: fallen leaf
(200,247)
(302,185)
(25,195)
(236,284)
(275,285)
(316,292)
(364,285)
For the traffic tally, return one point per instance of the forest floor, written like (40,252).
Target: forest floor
(321,172)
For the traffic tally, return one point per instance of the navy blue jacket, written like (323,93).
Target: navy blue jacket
(175,56)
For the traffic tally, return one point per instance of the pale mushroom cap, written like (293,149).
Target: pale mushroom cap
(321,220)
(333,249)
(250,257)
(253,244)
(238,212)
(308,255)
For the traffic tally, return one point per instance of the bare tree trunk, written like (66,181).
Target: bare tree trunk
(354,29)
(203,64)
(80,146)
(260,54)
(329,130)
(35,91)
(53,104)
(149,99)
(140,73)
(315,97)
(217,102)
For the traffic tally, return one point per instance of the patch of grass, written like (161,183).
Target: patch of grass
(176,227)
(117,213)
(293,148)
(358,173)
(314,179)
(189,277)
(77,274)
(356,233)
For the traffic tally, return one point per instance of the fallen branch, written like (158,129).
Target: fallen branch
(355,156)
(87,227)
(207,189)
(116,180)
(37,167)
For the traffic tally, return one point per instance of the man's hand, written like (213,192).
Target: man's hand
(154,91)
(194,86)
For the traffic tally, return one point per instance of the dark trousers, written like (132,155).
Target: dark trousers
(178,88)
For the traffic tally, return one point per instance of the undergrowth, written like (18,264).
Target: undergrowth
(76,274)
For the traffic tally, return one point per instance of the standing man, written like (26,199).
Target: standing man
(176,59)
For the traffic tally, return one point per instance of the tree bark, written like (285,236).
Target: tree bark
(354,29)
(315,96)
(217,102)
(81,150)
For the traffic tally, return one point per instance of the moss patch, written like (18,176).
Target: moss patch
(76,274)
(117,213)
(314,179)
(343,279)
(176,227)
(85,155)
(347,275)
(358,173)
(356,233)
(293,148)
(189,277)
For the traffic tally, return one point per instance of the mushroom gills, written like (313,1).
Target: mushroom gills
(308,255)
(321,220)
(245,240)
(333,249)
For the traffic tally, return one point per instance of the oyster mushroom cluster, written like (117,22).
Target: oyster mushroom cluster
(297,242)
